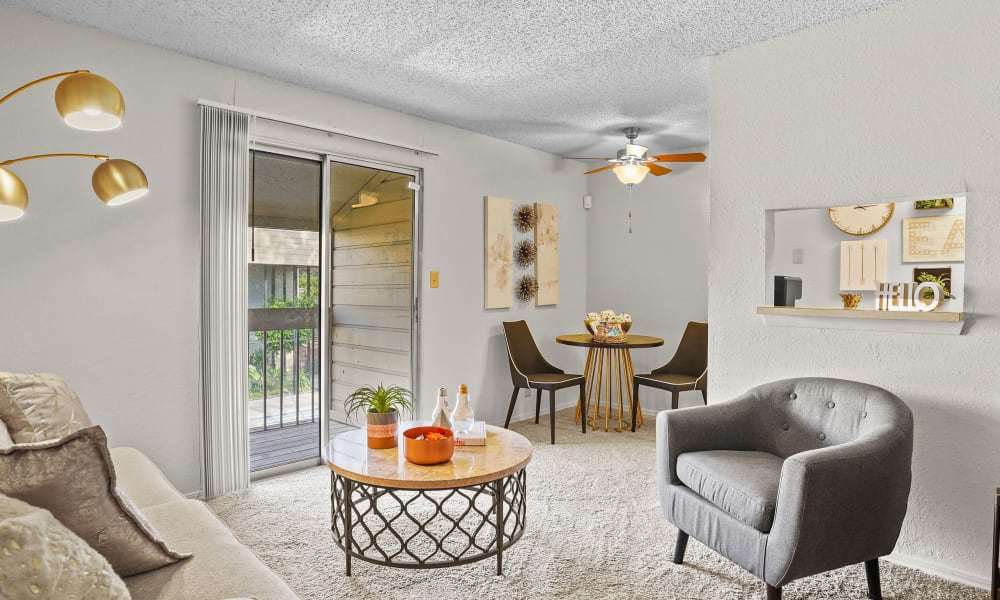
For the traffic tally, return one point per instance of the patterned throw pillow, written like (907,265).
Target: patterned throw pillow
(38,407)
(74,479)
(5,439)
(40,558)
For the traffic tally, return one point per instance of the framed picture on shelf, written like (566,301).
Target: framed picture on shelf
(934,239)
(935,203)
(938,275)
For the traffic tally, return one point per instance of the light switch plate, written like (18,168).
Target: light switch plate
(435,279)
(797,256)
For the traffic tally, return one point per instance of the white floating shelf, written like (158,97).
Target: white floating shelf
(863,319)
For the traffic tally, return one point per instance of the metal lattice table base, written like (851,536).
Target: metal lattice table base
(421,529)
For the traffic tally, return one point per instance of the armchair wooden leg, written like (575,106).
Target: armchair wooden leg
(773,593)
(675,398)
(874,579)
(583,403)
(635,401)
(680,546)
(510,409)
(552,413)
(538,405)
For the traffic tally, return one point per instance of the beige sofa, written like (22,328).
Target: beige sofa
(221,567)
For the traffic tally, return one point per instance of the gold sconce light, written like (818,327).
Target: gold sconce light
(92,103)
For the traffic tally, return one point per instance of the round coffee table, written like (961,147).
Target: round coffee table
(388,511)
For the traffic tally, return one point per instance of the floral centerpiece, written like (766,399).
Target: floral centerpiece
(612,323)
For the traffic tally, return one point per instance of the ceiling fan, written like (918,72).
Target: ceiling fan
(633,162)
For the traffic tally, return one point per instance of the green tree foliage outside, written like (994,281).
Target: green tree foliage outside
(307,296)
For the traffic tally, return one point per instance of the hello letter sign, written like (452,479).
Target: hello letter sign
(909,296)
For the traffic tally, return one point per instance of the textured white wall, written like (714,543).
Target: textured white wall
(896,103)
(110,297)
(659,272)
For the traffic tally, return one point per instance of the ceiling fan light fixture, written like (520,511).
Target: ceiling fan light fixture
(631,173)
(635,150)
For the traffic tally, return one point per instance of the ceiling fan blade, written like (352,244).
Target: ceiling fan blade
(601,169)
(692,157)
(588,158)
(657,170)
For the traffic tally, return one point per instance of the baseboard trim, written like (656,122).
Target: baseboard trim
(524,412)
(195,495)
(949,573)
(525,408)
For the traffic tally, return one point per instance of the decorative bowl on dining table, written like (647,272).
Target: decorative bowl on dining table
(607,317)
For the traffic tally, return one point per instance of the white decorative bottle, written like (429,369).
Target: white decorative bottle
(463,417)
(440,417)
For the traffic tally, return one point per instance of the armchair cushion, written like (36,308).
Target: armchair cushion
(744,484)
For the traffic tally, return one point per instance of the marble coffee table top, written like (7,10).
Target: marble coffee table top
(505,452)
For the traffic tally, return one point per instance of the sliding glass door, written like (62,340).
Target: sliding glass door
(332,260)
(285,300)
(374,237)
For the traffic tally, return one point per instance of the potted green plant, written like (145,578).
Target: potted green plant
(941,280)
(382,406)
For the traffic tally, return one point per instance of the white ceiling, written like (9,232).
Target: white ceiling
(563,76)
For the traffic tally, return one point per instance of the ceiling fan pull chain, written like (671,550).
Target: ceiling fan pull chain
(630,208)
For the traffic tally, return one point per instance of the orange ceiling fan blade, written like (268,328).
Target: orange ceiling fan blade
(601,169)
(692,157)
(657,170)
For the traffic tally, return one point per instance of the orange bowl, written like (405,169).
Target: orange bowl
(428,452)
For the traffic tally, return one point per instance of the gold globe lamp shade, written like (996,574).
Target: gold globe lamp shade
(13,196)
(90,102)
(117,181)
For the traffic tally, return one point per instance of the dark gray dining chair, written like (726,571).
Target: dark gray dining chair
(792,478)
(687,370)
(530,370)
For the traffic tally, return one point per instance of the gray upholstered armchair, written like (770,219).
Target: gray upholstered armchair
(792,478)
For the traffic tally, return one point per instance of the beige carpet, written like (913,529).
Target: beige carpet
(594,531)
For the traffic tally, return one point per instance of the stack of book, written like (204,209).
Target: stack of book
(474,437)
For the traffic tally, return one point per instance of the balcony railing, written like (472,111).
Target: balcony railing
(284,367)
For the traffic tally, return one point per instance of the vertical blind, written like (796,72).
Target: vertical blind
(225,165)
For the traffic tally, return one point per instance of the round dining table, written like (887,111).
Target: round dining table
(609,369)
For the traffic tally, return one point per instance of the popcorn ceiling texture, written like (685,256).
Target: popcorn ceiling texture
(563,76)
(898,103)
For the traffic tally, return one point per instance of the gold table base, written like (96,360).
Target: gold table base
(608,370)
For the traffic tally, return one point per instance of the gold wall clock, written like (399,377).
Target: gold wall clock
(862,219)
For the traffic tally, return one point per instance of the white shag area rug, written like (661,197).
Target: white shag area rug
(594,530)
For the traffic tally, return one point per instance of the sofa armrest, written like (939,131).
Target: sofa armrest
(720,426)
(839,505)
(141,480)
